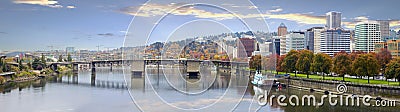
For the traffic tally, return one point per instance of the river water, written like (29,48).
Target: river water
(161,90)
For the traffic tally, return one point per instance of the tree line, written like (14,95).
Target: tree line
(359,64)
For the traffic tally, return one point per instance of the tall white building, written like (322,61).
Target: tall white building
(333,20)
(334,41)
(313,39)
(295,41)
(367,33)
(282,45)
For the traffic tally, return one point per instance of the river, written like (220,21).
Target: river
(164,90)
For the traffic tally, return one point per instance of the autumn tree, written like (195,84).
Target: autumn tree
(255,62)
(342,64)
(393,69)
(279,60)
(304,61)
(289,63)
(366,65)
(383,57)
(322,63)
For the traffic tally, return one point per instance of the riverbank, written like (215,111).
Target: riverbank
(388,92)
(33,75)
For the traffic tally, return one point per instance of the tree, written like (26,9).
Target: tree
(342,64)
(393,69)
(322,63)
(304,61)
(269,62)
(383,57)
(366,65)
(36,64)
(43,60)
(289,63)
(60,58)
(69,58)
(20,65)
(255,62)
(279,60)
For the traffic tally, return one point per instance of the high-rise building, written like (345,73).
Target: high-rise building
(282,45)
(282,30)
(384,28)
(245,47)
(393,46)
(295,41)
(333,20)
(367,33)
(313,39)
(334,41)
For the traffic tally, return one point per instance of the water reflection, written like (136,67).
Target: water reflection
(164,90)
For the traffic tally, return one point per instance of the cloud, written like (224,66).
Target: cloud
(71,7)
(299,17)
(275,10)
(150,10)
(3,33)
(48,3)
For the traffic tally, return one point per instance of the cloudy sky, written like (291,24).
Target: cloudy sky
(85,24)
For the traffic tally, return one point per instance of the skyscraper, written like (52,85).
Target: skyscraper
(313,39)
(295,41)
(367,33)
(282,30)
(245,47)
(384,28)
(334,41)
(333,20)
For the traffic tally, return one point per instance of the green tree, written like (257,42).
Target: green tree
(43,61)
(60,58)
(342,64)
(36,64)
(393,70)
(289,63)
(69,58)
(29,65)
(304,61)
(322,63)
(366,65)
(20,65)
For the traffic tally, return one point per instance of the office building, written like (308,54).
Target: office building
(333,20)
(334,41)
(282,30)
(367,33)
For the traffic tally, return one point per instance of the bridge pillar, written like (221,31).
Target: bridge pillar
(193,68)
(138,67)
(93,68)
(75,68)
(111,66)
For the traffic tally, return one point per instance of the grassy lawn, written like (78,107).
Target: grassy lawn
(354,80)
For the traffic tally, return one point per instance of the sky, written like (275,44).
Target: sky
(85,24)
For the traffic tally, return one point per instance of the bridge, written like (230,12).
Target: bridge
(192,66)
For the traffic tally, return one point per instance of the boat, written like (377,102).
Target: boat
(260,80)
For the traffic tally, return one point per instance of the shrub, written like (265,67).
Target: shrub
(2,80)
